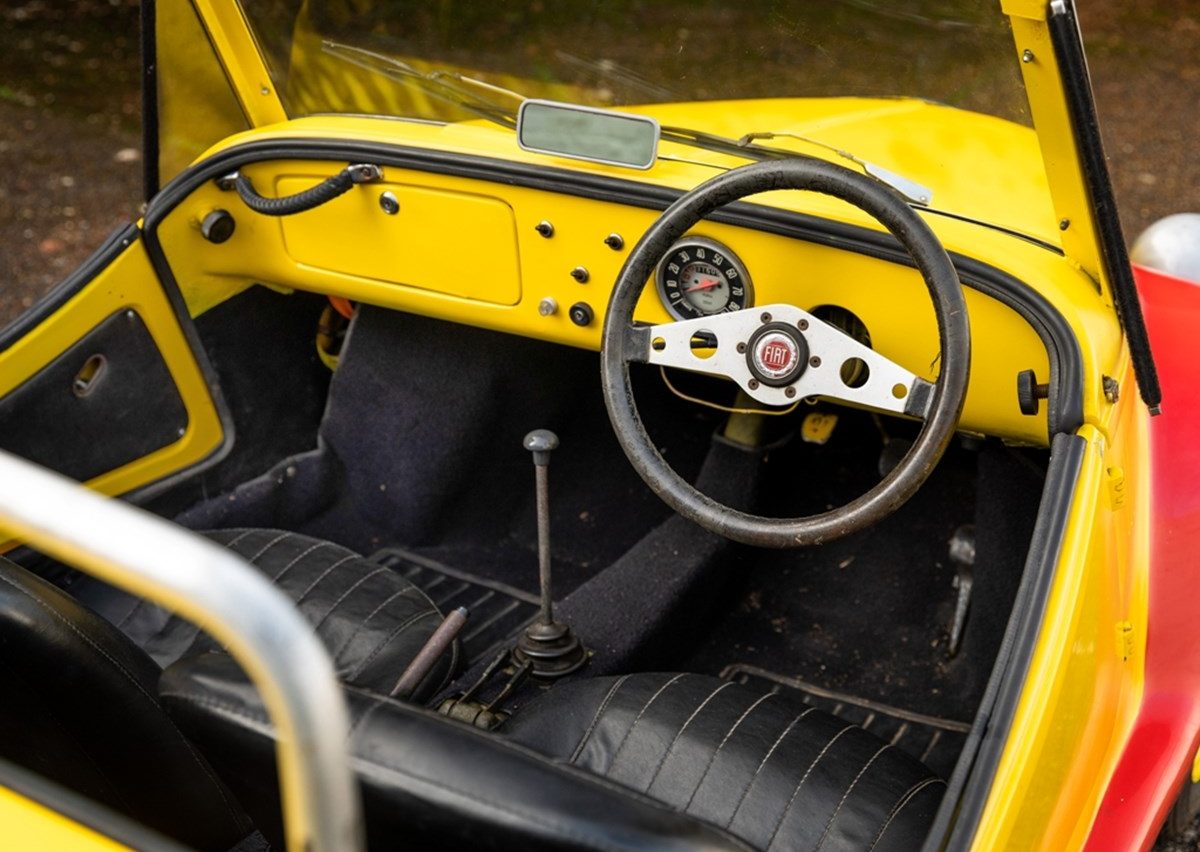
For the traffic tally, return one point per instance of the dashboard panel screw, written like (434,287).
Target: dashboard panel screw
(741,348)
(753,384)
(548,306)
(814,361)
(789,392)
(1063,224)
(544,228)
(615,242)
(802,325)
(580,274)
(388,203)
(1027,55)
(766,317)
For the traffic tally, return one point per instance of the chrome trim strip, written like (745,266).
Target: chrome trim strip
(237,605)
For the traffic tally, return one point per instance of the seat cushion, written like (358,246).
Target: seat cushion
(776,774)
(428,782)
(371,619)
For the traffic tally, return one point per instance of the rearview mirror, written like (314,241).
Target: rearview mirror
(585,133)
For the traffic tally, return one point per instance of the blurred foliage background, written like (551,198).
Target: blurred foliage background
(70,145)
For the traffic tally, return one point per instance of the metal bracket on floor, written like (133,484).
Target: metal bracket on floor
(962,554)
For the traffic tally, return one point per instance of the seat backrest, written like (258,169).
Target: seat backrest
(428,782)
(80,707)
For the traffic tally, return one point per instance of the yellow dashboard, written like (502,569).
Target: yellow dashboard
(516,256)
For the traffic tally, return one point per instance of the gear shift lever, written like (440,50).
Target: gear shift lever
(549,646)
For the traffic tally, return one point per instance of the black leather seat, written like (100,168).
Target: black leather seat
(644,761)
(80,691)
(372,620)
(777,775)
(80,707)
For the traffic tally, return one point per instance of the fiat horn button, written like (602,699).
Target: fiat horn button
(777,354)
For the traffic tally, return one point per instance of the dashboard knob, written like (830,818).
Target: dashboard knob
(218,226)
(581,314)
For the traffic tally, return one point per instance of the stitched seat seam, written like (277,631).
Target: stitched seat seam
(345,595)
(904,800)
(671,748)
(323,575)
(708,767)
(762,764)
(587,734)
(625,739)
(846,795)
(387,641)
(788,807)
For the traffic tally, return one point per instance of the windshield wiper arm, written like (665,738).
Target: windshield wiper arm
(910,189)
(432,83)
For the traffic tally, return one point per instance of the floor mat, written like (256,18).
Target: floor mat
(497,610)
(935,742)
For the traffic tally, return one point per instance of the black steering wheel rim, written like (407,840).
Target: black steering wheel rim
(620,341)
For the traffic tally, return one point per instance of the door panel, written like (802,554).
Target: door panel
(103,384)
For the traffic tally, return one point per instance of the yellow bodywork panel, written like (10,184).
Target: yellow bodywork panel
(30,826)
(127,284)
(1048,105)
(1085,682)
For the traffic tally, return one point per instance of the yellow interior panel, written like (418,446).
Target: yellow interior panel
(29,826)
(127,283)
(409,246)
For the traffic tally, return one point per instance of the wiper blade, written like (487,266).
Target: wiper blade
(606,69)
(910,189)
(433,84)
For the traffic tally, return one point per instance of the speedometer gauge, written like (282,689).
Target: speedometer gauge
(700,277)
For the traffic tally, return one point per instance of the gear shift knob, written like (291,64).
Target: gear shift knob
(541,442)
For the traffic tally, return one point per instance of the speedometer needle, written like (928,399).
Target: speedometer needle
(704,285)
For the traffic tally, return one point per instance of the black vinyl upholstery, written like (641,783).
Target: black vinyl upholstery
(778,775)
(80,707)
(372,620)
(79,675)
(643,761)
(428,782)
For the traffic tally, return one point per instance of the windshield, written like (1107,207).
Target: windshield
(323,54)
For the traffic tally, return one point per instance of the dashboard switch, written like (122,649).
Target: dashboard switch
(218,226)
(1030,393)
(581,314)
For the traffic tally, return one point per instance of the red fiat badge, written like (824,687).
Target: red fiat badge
(775,355)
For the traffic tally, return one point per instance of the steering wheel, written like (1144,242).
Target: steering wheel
(779,353)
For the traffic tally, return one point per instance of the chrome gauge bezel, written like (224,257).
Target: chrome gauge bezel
(702,248)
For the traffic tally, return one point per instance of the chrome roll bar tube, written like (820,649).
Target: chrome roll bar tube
(221,593)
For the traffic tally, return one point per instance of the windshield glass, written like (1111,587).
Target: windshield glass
(325,54)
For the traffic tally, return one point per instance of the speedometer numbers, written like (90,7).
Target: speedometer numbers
(700,277)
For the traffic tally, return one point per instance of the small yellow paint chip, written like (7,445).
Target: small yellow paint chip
(818,427)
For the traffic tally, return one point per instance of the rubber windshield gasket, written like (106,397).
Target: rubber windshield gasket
(1081,105)
(1065,403)
(971,782)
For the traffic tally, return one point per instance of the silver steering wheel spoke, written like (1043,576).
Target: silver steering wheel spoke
(779,354)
